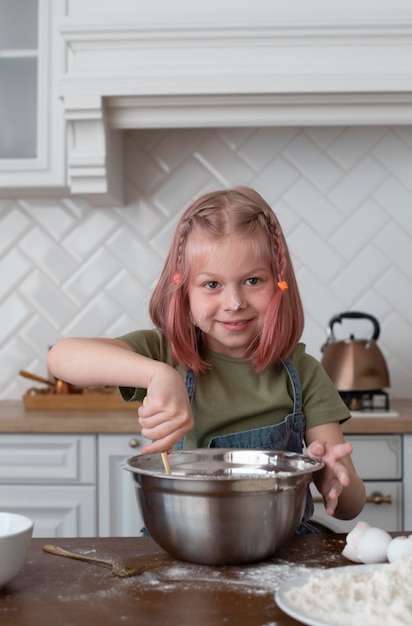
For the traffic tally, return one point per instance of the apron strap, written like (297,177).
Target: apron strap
(296,386)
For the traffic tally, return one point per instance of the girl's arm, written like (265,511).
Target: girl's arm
(342,489)
(84,362)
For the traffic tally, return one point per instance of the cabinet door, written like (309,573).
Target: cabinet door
(377,457)
(68,511)
(383,508)
(18,78)
(119,514)
(47,458)
(32,150)
(407,478)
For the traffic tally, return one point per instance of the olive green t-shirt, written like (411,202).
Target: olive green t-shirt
(231,396)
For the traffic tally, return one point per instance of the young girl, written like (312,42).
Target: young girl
(224,366)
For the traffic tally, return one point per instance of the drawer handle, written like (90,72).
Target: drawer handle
(133,443)
(376,497)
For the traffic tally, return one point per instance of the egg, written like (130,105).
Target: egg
(351,551)
(399,547)
(373,545)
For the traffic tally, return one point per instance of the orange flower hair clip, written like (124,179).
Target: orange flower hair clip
(282,284)
(176,278)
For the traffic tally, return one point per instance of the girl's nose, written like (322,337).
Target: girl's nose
(234,302)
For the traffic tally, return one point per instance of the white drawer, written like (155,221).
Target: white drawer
(47,458)
(377,457)
(387,514)
(56,510)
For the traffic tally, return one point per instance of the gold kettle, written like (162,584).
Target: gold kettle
(355,364)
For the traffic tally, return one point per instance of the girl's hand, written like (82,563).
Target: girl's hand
(335,476)
(342,489)
(166,415)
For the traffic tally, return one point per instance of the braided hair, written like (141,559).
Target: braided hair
(222,213)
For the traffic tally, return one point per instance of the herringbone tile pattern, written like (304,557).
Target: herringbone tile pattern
(343,196)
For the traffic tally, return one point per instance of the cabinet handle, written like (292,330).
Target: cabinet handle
(133,443)
(376,497)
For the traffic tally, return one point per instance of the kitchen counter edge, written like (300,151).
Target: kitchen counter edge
(15,419)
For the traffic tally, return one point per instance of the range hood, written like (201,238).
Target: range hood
(177,64)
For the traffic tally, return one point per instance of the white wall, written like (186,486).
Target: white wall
(343,196)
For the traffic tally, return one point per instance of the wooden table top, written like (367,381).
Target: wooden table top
(56,590)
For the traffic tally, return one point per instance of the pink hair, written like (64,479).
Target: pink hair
(218,214)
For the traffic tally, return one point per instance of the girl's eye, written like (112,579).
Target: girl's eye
(213,284)
(252,281)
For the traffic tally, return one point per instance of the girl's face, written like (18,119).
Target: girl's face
(230,286)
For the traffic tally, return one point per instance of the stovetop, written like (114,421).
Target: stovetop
(375,413)
(368,400)
(373,403)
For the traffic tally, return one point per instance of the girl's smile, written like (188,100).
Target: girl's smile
(230,287)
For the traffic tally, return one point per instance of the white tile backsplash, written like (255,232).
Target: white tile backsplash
(396,200)
(358,229)
(44,252)
(395,155)
(13,267)
(13,227)
(260,147)
(303,195)
(342,194)
(14,314)
(354,144)
(357,185)
(313,163)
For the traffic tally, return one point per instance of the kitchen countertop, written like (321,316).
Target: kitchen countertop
(64,591)
(15,419)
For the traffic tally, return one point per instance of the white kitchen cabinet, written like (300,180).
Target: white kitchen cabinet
(72,485)
(51,479)
(119,514)
(18,78)
(407,468)
(383,509)
(32,140)
(57,511)
(379,461)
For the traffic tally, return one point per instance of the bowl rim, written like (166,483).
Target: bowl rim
(27,521)
(314,465)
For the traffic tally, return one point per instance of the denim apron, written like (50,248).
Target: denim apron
(287,436)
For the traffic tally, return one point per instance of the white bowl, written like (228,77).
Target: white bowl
(15,536)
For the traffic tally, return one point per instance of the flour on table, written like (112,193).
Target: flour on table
(259,578)
(377,596)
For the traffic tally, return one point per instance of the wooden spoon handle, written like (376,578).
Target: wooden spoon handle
(165,457)
(166,464)
(73,555)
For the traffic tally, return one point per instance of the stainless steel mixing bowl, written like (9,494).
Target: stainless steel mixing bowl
(222,506)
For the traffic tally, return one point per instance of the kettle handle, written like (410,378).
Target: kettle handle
(352,315)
